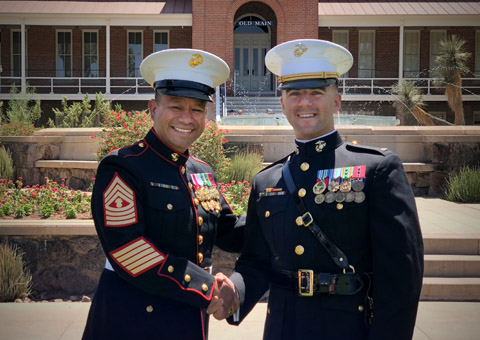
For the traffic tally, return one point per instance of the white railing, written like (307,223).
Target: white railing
(124,85)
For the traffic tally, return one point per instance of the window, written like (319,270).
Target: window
(439,114)
(435,38)
(366,54)
(476,117)
(134,54)
(16,53)
(341,38)
(64,53)
(411,54)
(160,41)
(90,54)
(477,53)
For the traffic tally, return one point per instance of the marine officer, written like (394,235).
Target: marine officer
(158,213)
(332,229)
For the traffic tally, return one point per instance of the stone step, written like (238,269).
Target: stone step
(452,266)
(452,244)
(451,289)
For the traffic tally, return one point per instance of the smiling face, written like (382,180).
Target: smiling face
(310,111)
(178,121)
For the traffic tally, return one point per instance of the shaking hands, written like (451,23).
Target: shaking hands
(225,299)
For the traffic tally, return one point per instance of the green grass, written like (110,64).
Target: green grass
(15,279)
(243,166)
(6,164)
(464,186)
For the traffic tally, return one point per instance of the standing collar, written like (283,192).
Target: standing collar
(163,150)
(319,145)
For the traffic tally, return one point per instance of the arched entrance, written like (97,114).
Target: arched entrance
(252,40)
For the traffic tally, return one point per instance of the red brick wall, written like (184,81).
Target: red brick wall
(387,40)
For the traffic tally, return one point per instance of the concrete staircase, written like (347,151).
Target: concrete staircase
(251,105)
(452,268)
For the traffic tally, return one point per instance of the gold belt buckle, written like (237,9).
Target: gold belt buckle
(305,274)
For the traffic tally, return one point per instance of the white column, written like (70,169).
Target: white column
(107,57)
(400,54)
(24,55)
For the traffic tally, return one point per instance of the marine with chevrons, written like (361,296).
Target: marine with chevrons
(377,230)
(156,233)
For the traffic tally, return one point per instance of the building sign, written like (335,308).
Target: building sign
(255,23)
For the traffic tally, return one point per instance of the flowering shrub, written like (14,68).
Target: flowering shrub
(16,128)
(236,194)
(209,148)
(122,129)
(44,199)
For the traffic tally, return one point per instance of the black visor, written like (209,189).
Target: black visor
(184,88)
(307,84)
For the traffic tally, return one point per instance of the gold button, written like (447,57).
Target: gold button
(339,206)
(197,202)
(170,269)
(299,221)
(361,308)
(200,257)
(200,239)
(304,166)
(149,309)
(267,214)
(200,220)
(182,169)
(384,149)
(299,250)
(141,145)
(190,185)
(297,151)
(204,287)
(354,142)
(169,206)
(340,259)
(187,278)
(175,157)
(302,192)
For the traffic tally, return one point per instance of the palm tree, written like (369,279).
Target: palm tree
(410,100)
(451,62)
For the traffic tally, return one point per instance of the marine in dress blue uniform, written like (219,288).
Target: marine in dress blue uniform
(360,197)
(158,213)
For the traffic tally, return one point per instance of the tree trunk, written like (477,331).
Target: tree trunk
(422,117)
(454,96)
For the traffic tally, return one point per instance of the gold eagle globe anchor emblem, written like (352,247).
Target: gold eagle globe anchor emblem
(196,60)
(300,49)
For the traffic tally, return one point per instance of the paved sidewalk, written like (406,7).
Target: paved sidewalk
(435,321)
(66,320)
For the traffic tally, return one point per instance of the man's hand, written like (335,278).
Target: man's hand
(225,301)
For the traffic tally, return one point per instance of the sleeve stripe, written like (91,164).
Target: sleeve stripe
(134,252)
(148,264)
(121,186)
(118,193)
(138,261)
(127,249)
(116,216)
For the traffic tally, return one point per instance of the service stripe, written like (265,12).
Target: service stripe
(129,248)
(132,252)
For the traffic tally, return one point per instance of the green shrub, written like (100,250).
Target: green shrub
(209,148)
(15,279)
(25,109)
(243,166)
(464,186)
(122,129)
(80,114)
(6,164)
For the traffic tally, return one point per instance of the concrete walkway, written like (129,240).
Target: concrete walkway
(435,321)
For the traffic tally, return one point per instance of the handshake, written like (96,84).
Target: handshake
(225,299)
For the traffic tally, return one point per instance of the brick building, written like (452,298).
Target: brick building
(69,48)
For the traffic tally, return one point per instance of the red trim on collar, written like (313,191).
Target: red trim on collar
(178,152)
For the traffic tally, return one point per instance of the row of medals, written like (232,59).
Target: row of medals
(208,198)
(344,190)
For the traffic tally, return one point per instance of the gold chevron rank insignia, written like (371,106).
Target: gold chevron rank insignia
(119,204)
(137,256)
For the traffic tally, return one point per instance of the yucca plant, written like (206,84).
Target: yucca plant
(243,166)
(7,170)
(451,62)
(409,99)
(15,278)
(464,186)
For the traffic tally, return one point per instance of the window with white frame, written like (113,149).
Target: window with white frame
(64,53)
(366,54)
(411,54)
(16,53)
(439,114)
(134,53)
(477,53)
(340,37)
(160,41)
(90,54)
(436,36)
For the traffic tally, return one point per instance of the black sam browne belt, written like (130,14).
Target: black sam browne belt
(308,283)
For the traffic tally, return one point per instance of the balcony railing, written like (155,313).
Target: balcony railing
(121,85)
